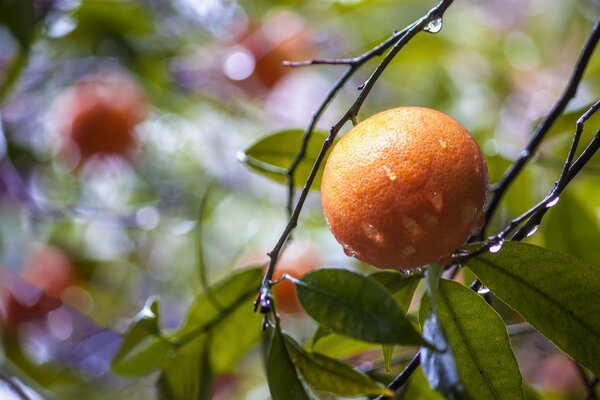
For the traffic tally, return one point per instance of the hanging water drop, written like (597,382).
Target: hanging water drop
(483,290)
(434,26)
(349,250)
(552,202)
(533,230)
(496,247)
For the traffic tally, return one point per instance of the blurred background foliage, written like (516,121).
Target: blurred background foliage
(124,228)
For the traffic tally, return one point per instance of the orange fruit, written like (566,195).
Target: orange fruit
(98,116)
(404,188)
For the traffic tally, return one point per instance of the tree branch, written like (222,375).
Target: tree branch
(544,126)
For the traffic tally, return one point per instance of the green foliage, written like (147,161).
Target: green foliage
(143,348)
(330,375)
(281,373)
(277,151)
(418,388)
(479,341)
(351,304)
(552,291)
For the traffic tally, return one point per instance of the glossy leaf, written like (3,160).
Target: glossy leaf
(554,292)
(188,375)
(388,353)
(438,364)
(215,304)
(234,336)
(480,344)
(418,388)
(143,349)
(278,150)
(351,304)
(282,376)
(330,375)
(402,287)
(340,346)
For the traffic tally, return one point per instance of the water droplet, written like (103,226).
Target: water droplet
(533,230)
(372,233)
(407,251)
(483,290)
(552,202)
(443,143)
(241,156)
(390,174)
(437,200)
(434,26)
(350,252)
(496,247)
(411,225)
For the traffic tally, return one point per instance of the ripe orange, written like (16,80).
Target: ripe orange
(404,188)
(98,115)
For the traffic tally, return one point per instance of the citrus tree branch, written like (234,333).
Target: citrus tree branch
(263,301)
(498,189)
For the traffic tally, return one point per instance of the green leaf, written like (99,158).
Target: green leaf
(565,233)
(282,376)
(438,364)
(277,151)
(19,18)
(479,341)
(388,352)
(143,349)
(402,287)
(330,375)
(340,346)
(188,375)
(234,336)
(418,388)
(351,304)
(226,309)
(212,306)
(554,292)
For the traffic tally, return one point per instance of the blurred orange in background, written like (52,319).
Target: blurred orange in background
(46,275)
(97,116)
(255,60)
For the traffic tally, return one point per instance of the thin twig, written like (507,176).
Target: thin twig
(562,181)
(354,65)
(544,126)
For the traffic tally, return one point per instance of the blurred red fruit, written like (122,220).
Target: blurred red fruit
(47,273)
(98,116)
(255,61)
